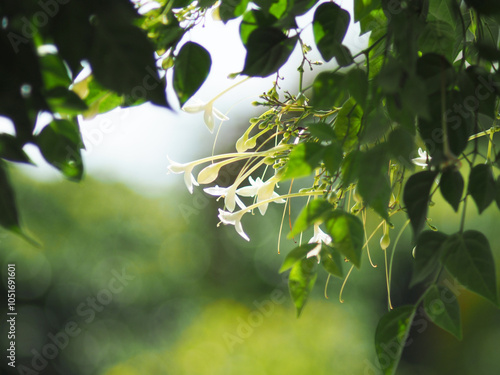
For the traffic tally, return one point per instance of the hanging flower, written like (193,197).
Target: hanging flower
(320,238)
(218,191)
(263,191)
(178,168)
(210,112)
(233,218)
(423,159)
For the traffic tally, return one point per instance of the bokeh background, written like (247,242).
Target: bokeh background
(151,285)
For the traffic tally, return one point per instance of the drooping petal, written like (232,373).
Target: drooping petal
(233,218)
(195,106)
(178,168)
(208,117)
(189,180)
(230,200)
(315,252)
(219,115)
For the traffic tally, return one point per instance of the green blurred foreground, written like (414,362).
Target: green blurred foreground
(128,285)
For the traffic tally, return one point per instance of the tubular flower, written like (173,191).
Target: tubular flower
(178,168)
(233,218)
(218,191)
(210,112)
(423,159)
(319,237)
(263,191)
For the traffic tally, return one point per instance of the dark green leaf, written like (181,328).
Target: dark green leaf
(296,255)
(333,158)
(486,7)
(348,123)
(322,131)
(374,185)
(122,60)
(452,187)
(442,307)
(482,186)
(331,261)
(350,167)
(191,69)
(252,20)
(61,148)
(391,335)
(267,50)
(357,84)
(362,8)
(64,101)
(401,145)
(438,37)
(470,261)
(54,72)
(230,9)
(301,281)
(343,55)
(347,234)
(316,211)
(497,196)
(416,198)
(11,149)
(9,217)
(304,158)
(330,26)
(328,90)
(427,255)
(442,10)
(432,68)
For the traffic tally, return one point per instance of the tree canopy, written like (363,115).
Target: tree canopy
(383,132)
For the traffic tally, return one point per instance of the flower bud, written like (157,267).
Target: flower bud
(210,173)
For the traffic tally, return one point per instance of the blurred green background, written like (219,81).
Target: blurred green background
(195,298)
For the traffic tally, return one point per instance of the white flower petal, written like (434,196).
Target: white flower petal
(233,218)
(208,117)
(195,106)
(219,115)
(314,252)
(216,191)
(247,191)
(230,200)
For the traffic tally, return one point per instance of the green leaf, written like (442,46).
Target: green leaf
(487,7)
(191,69)
(482,186)
(442,307)
(11,149)
(348,123)
(374,185)
(316,211)
(451,186)
(328,90)
(322,131)
(470,261)
(331,260)
(438,37)
(416,198)
(9,217)
(54,72)
(230,9)
(252,20)
(301,281)
(432,68)
(304,158)
(347,234)
(122,60)
(343,55)
(441,10)
(60,147)
(267,50)
(390,337)
(350,167)
(64,101)
(330,26)
(357,84)
(497,197)
(296,255)
(362,8)
(401,145)
(427,255)
(333,158)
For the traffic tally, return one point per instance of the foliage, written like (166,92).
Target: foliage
(426,81)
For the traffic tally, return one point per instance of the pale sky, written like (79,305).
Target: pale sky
(131,145)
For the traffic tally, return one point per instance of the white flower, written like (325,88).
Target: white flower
(209,112)
(319,237)
(178,168)
(263,191)
(423,159)
(233,218)
(218,191)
